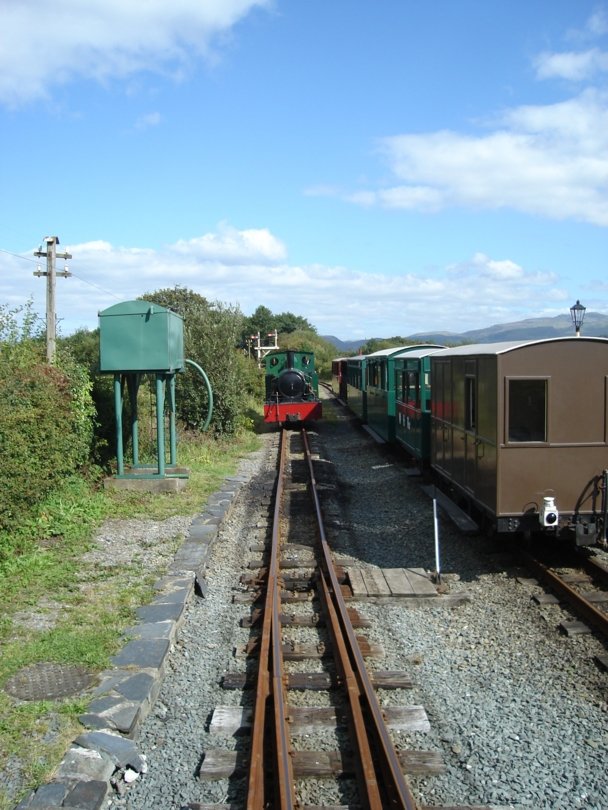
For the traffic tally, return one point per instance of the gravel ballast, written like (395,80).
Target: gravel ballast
(517,710)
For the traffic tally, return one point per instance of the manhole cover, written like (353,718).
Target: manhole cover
(47,681)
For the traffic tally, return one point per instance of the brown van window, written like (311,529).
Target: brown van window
(470,403)
(527,411)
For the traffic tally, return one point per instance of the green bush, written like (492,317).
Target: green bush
(212,333)
(83,345)
(46,422)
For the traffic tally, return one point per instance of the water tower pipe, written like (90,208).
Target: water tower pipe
(209,391)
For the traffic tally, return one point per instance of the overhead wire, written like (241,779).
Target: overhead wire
(75,275)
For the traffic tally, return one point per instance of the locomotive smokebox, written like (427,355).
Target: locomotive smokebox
(291,384)
(549,516)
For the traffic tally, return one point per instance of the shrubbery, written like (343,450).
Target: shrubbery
(212,332)
(46,418)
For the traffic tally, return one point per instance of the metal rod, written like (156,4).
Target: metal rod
(436,534)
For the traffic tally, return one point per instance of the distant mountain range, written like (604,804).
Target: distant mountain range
(594,325)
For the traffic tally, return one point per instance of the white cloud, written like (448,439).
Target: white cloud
(232,246)
(44,44)
(571,65)
(547,160)
(249,267)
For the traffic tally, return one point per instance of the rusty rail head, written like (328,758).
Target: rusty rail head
(270,681)
(397,791)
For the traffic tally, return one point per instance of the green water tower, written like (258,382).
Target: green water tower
(138,338)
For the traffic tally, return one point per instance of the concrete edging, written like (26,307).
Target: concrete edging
(127,692)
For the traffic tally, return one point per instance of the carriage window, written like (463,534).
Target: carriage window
(470,403)
(413,385)
(527,411)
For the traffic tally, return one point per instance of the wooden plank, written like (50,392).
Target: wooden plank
(321,681)
(375,582)
(356,582)
(319,764)
(545,599)
(387,679)
(221,764)
(448,600)
(574,628)
(302,652)
(576,578)
(314,620)
(229,719)
(406,718)
(397,581)
(232,720)
(420,582)
(602,660)
(595,597)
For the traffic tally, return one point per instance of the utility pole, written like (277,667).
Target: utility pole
(51,275)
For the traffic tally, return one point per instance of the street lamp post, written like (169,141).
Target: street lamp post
(577,311)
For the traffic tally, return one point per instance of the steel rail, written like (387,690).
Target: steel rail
(271,661)
(389,774)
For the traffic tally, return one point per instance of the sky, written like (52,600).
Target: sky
(380,167)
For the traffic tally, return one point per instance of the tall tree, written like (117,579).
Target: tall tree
(265,322)
(212,333)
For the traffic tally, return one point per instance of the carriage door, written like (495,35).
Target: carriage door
(441,431)
(470,424)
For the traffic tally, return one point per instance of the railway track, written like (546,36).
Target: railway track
(368,769)
(582,585)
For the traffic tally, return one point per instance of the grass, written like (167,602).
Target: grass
(88,607)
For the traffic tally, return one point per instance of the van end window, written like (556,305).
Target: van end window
(470,416)
(527,411)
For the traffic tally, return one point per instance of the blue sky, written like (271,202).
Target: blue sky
(380,167)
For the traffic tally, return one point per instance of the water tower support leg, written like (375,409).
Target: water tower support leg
(160,423)
(118,414)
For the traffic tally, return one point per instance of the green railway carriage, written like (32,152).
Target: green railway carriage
(380,388)
(413,403)
(355,385)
